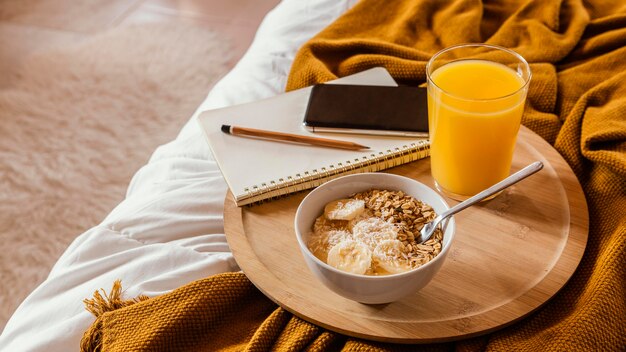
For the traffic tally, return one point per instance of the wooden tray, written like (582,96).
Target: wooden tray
(510,256)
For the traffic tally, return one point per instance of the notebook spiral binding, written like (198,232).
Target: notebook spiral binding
(313,178)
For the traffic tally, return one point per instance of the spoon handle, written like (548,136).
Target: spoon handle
(507,182)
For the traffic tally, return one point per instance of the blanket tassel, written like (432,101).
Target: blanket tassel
(98,305)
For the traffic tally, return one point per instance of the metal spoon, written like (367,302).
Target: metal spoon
(430,227)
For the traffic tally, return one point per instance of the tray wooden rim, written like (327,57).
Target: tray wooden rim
(548,286)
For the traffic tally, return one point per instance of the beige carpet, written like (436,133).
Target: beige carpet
(76,123)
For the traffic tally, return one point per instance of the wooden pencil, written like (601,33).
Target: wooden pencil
(288,137)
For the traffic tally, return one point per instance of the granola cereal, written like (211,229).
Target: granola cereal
(385,222)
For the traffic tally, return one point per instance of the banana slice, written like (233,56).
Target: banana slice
(344,209)
(373,231)
(390,256)
(351,256)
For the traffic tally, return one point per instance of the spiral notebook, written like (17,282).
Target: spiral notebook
(257,170)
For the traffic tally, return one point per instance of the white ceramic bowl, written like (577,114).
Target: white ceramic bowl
(363,288)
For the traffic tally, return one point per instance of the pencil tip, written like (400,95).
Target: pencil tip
(226,129)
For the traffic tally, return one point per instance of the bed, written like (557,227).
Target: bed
(168,231)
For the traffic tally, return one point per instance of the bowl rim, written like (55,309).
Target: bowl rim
(450,226)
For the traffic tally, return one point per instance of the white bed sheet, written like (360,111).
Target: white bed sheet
(169,229)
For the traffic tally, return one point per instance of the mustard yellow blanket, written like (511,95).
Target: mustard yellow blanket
(577,102)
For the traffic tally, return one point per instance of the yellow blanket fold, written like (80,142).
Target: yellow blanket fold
(577,102)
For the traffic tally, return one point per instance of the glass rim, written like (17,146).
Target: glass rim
(491,46)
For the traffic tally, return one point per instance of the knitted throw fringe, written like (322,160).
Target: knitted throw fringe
(98,305)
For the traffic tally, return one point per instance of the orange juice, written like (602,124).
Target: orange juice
(475,108)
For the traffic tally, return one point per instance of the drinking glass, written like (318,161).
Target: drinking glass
(476,96)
